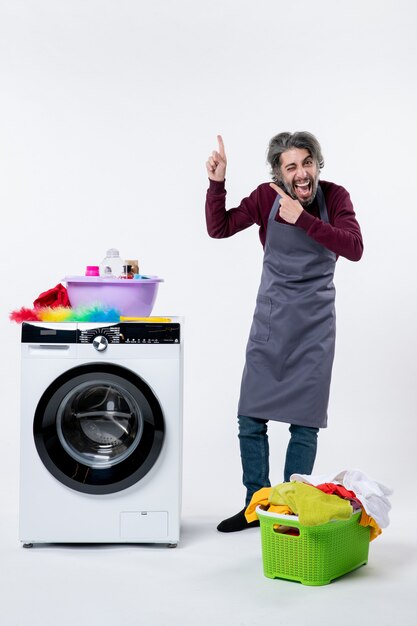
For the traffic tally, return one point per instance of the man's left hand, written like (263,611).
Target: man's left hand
(289,209)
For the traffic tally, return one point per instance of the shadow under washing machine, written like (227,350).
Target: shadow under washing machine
(101,433)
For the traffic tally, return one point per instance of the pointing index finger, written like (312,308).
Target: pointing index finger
(221,146)
(278,190)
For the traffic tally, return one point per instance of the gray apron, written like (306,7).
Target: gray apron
(290,351)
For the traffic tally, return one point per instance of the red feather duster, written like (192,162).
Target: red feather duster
(24,315)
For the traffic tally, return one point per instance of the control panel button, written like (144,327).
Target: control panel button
(100,343)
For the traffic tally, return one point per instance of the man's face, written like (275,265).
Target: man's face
(299,174)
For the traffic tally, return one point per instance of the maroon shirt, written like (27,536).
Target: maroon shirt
(341,235)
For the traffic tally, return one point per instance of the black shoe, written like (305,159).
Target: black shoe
(235,523)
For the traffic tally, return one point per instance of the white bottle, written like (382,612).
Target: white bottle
(112,265)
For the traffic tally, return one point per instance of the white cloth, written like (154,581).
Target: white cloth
(372,494)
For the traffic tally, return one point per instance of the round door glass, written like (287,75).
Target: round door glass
(99,424)
(99,428)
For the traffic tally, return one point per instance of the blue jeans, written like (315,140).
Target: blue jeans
(254,452)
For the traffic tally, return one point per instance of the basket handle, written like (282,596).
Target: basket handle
(281,529)
(285,524)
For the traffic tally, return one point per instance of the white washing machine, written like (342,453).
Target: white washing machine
(101,433)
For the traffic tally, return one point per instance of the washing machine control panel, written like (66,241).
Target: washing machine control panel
(128,333)
(99,337)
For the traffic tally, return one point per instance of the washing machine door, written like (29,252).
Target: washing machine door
(99,428)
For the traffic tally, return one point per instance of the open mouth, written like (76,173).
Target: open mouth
(303,189)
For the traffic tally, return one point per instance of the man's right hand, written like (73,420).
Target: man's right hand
(217,162)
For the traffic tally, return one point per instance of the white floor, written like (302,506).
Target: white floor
(211,578)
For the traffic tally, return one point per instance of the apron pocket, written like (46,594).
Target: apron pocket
(261,320)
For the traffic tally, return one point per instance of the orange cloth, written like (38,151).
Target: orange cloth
(261,498)
(367,520)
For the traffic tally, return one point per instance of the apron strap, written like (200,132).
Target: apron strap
(274,209)
(320,200)
(322,205)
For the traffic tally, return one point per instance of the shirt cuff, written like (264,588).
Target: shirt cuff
(217,186)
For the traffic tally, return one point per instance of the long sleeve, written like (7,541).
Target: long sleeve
(222,223)
(343,234)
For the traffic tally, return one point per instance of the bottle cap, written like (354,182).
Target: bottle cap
(92,270)
(112,252)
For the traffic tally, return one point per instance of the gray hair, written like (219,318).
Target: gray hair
(286,141)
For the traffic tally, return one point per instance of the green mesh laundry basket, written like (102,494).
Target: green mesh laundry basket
(318,554)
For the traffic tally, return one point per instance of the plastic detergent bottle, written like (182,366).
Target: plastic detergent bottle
(112,265)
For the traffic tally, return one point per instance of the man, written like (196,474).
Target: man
(304,225)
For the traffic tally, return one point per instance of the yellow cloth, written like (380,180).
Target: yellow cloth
(313,507)
(367,520)
(261,498)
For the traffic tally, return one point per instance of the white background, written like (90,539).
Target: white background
(108,111)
